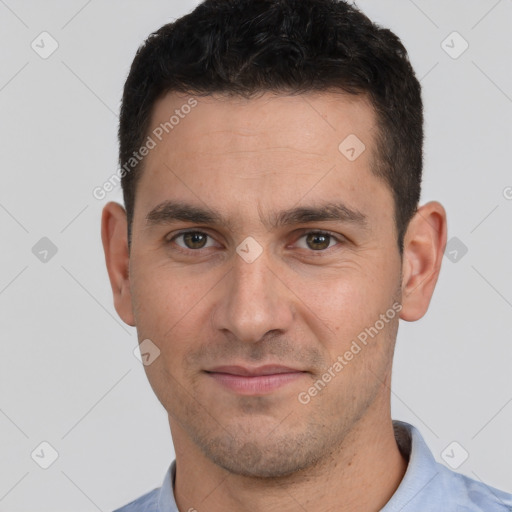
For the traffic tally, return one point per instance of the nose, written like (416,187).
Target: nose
(253,301)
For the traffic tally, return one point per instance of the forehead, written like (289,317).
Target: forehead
(272,148)
(308,122)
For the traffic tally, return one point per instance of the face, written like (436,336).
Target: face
(261,254)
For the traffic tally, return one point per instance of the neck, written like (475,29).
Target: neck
(361,474)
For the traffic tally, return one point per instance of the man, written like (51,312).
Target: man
(271,159)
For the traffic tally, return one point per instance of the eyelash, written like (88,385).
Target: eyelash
(338,238)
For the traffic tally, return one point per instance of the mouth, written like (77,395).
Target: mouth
(260,380)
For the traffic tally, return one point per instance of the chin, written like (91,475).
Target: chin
(264,458)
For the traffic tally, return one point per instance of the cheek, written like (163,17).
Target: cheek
(356,297)
(166,289)
(170,313)
(167,303)
(346,303)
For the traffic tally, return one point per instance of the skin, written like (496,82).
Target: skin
(301,303)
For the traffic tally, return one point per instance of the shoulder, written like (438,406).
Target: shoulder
(430,486)
(471,495)
(146,503)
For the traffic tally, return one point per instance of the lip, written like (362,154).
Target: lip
(259,380)
(256,371)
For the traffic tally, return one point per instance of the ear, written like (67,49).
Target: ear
(424,245)
(114,235)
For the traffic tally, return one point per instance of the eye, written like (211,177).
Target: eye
(192,240)
(318,240)
(313,240)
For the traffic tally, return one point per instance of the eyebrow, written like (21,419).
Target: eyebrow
(169,212)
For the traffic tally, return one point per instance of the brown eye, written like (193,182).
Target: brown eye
(192,240)
(195,239)
(319,241)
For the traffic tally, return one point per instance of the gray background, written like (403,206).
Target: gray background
(68,375)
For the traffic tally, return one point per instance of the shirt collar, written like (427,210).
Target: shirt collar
(166,501)
(422,468)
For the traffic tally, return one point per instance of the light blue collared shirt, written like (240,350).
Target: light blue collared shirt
(427,485)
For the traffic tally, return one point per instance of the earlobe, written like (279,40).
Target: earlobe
(424,245)
(114,237)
